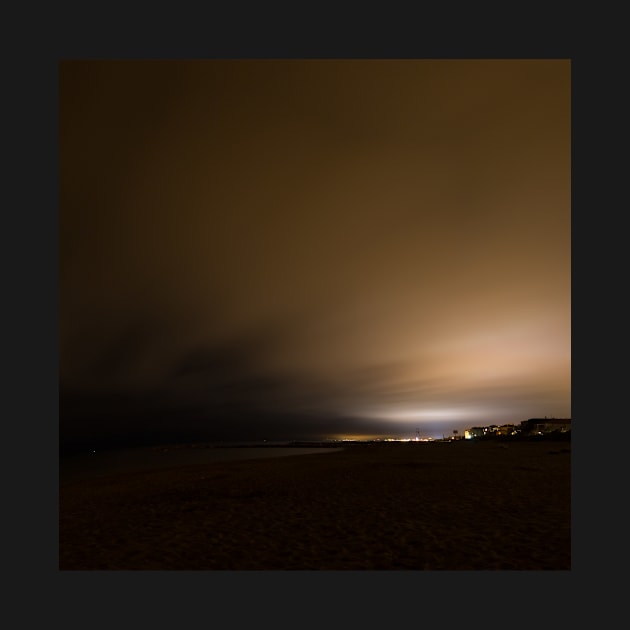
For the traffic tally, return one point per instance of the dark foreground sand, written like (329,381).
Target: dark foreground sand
(401,506)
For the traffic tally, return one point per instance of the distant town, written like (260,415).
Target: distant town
(530,428)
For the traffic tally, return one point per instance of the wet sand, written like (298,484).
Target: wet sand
(377,506)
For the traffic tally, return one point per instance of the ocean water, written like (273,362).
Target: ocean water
(100,464)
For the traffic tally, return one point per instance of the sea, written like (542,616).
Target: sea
(95,464)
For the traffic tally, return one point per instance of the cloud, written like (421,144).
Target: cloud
(301,239)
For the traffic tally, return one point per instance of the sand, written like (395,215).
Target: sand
(404,506)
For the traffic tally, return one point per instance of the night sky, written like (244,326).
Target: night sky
(307,249)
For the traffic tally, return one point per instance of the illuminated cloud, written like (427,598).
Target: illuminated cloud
(374,239)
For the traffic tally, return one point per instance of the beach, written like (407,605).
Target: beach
(461,505)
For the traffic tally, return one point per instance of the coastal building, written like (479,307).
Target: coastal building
(475,432)
(480,432)
(545,425)
(532,426)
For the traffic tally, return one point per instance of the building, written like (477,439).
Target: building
(476,432)
(538,426)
